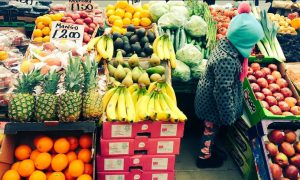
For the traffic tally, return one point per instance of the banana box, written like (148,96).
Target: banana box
(136,162)
(137,175)
(140,145)
(157,129)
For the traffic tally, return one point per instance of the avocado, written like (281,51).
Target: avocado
(116,35)
(129,34)
(143,54)
(134,39)
(127,47)
(125,39)
(136,47)
(141,32)
(151,36)
(131,28)
(144,40)
(118,44)
(148,49)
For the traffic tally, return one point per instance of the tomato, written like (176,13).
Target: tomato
(225,25)
(219,36)
(222,31)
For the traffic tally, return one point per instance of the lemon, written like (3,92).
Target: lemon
(128,15)
(136,21)
(145,22)
(120,13)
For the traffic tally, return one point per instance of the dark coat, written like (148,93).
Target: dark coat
(219,91)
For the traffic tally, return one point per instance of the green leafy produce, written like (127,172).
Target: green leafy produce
(158,9)
(196,26)
(190,55)
(175,3)
(180,10)
(182,72)
(198,71)
(172,20)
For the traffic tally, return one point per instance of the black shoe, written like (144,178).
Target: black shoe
(220,152)
(212,162)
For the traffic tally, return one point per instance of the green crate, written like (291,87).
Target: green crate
(11,24)
(253,107)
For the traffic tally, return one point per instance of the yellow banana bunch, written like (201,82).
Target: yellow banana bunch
(165,88)
(163,47)
(104,46)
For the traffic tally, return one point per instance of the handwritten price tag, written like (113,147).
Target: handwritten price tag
(68,31)
(81,5)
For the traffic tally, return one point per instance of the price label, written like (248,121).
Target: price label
(81,5)
(25,1)
(68,31)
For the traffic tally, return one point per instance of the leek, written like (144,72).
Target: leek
(262,49)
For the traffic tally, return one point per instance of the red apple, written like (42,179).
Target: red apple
(252,79)
(265,104)
(270,79)
(286,92)
(287,149)
(283,106)
(91,31)
(282,83)
(291,172)
(262,82)
(275,110)
(276,74)
(276,136)
(88,20)
(250,71)
(297,146)
(83,14)
(281,159)
(259,74)
(272,149)
(271,100)
(295,160)
(273,67)
(276,171)
(86,28)
(290,136)
(255,66)
(266,92)
(274,87)
(259,96)
(255,87)
(266,71)
(295,110)
(278,96)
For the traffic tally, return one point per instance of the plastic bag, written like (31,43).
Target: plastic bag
(196,26)
(180,10)
(199,70)
(172,20)
(158,9)
(182,72)
(190,55)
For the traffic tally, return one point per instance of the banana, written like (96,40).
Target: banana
(135,97)
(154,46)
(170,91)
(157,107)
(130,108)
(91,45)
(152,86)
(134,87)
(121,108)
(150,107)
(172,54)
(98,58)
(166,48)
(142,107)
(165,108)
(111,106)
(160,48)
(181,116)
(101,46)
(109,48)
(106,98)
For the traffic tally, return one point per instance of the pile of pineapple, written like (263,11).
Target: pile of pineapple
(81,95)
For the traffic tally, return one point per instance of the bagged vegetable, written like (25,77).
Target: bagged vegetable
(198,71)
(182,72)
(196,26)
(158,9)
(190,55)
(180,10)
(172,20)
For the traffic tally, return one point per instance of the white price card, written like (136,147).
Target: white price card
(60,30)
(81,5)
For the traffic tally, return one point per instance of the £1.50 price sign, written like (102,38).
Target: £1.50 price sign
(81,5)
(68,31)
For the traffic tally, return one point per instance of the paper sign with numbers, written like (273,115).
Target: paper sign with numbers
(68,31)
(81,5)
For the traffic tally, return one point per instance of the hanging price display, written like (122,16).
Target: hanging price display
(68,31)
(81,5)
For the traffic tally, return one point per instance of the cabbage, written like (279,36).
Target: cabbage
(182,72)
(198,71)
(172,20)
(190,55)
(158,9)
(196,26)
(175,3)
(180,10)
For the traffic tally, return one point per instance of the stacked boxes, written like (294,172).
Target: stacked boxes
(144,150)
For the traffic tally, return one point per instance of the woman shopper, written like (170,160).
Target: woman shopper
(219,93)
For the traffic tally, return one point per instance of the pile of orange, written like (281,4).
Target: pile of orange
(65,158)
(122,14)
(43,27)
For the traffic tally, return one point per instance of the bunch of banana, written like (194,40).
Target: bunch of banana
(104,45)
(118,105)
(158,106)
(163,47)
(165,88)
(137,92)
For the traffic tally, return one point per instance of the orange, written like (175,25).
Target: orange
(22,152)
(145,22)
(59,162)
(42,161)
(38,175)
(48,174)
(118,23)
(112,18)
(137,15)
(37,33)
(44,144)
(110,12)
(38,39)
(57,176)
(88,169)
(26,168)
(122,4)
(130,9)
(73,142)
(110,7)
(85,155)
(11,175)
(85,177)
(128,15)
(15,166)
(120,13)
(40,25)
(145,14)
(39,19)
(46,39)
(68,175)
(47,20)
(34,154)
(136,21)
(61,145)
(36,139)
(71,156)
(126,21)
(46,31)
(76,168)
(85,141)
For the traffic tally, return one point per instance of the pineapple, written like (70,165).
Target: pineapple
(46,104)
(92,98)
(21,106)
(70,102)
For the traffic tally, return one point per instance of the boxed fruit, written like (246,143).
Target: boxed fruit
(269,93)
(137,175)
(153,129)
(141,162)
(140,145)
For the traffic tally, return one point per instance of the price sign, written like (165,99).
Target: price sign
(81,5)
(25,1)
(68,31)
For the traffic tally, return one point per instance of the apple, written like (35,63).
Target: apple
(272,149)
(271,100)
(270,79)
(88,20)
(276,136)
(266,71)
(75,17)
(273,67)
(83,14)
(266,92)
(291,172)
(255,66)
(262,82)
(274,87)
(287,149)
(259,74)
(275,110)
(265,104)
(297,146)
(286,92)
(283,106)
(86,38)
(282,83)
(295,110)
(252,79)
(276,171)
(86,28)
(290,136)
(259,96)
(278,96)
(250,71)
(255,87)
(281,159)
(276,74)
(91,31)
(295,160)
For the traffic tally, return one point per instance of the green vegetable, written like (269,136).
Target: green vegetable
(172,37)
(172,20)
(196,26)
(190,55)
(157,69)
(182,72)
(199,70)
(177,40)
(168,32)
(158,9)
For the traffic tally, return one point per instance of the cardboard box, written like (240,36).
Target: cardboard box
(140,145)
(6,151)
(156,129)
(136,175)
(141,162)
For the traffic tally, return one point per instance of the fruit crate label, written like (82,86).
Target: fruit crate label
(113,164)
(114,177)
(60,30)
(159,163)
(121,131)
(160,176)
(165,147)
(168,130)
(81,5)
(117,148)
